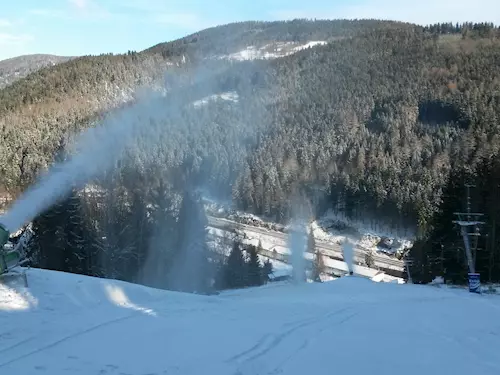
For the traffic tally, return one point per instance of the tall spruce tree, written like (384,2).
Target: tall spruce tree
(235,270)
(78,240)
(63,238)
(267,270)
(49,241)
(254,267)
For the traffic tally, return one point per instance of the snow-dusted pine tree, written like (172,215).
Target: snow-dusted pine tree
(254,267)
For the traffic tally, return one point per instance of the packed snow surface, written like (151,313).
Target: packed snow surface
(69,324)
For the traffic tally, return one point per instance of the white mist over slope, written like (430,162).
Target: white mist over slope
(136,125)
(71,324)
(297,243)
(98,149)
(348,250)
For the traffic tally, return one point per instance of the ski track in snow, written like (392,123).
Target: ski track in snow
(59,341)
(269,343)
(81,325)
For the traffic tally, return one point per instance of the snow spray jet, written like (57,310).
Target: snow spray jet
(297,238)
(348,252)
(97,150)
(174,260)
(171,262)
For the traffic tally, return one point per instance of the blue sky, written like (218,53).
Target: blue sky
(78,27)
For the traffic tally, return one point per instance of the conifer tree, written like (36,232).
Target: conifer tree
(267,270)
(63,238)
(235,271)
(48,242)
(254,267)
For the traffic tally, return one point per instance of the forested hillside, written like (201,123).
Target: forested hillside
(373,123)
(19,67)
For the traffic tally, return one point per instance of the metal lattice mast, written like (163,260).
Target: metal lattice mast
(467,220)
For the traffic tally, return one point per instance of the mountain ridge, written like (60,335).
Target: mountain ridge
(19,67)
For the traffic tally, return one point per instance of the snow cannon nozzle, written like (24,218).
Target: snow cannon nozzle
(4,235)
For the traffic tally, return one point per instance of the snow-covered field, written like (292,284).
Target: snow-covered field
(70,324)
(335,228)
(231,96)
(331,228)
(271,51)
(221,242)
(256,231)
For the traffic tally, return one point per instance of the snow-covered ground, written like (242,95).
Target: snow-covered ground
(231,96)
(331,228)
(280,269)
(221,242)
(70,324)
(271,51)
(337,229)
(256,231)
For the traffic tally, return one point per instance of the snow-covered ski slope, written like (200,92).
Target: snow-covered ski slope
(69,324)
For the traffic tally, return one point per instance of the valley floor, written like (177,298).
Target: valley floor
(70,324)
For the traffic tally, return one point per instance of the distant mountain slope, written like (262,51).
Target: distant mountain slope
(235,37)
(375,119)
(19,67)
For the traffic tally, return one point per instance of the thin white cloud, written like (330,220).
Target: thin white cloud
(80,4)
(7,39)
(145,5)
(181,20)
(422,12)
(77,9)
(51,13)
(167,14)
(157,12)
(5,23)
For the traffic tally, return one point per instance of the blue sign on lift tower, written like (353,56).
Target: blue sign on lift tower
(467,221)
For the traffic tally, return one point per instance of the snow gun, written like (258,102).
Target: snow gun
(4,236)
(12,257)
